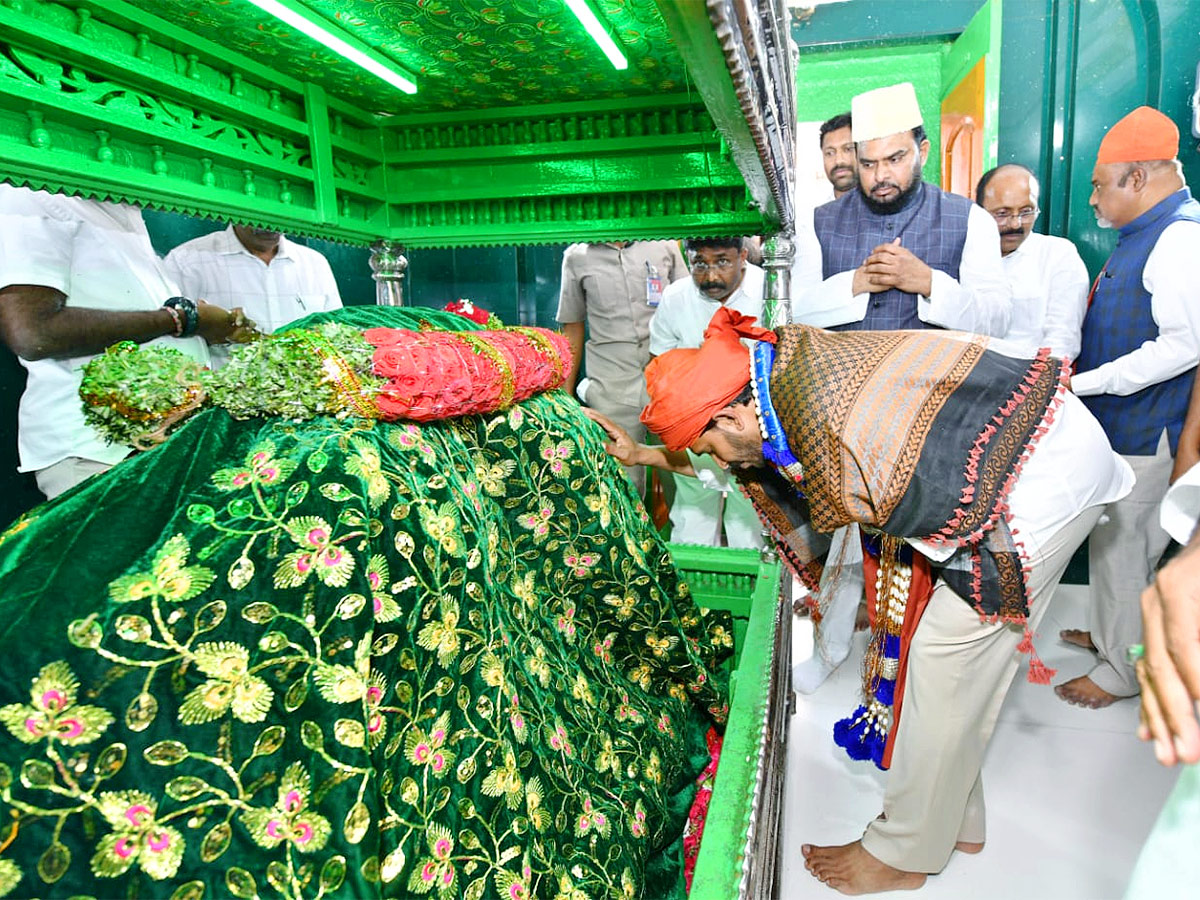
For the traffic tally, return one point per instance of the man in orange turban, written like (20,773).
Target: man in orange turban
(943,450)
(1135,371)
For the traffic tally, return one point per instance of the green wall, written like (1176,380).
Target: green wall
(827,79)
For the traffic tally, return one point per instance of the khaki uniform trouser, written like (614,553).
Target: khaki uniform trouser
(959,670)
(629,418)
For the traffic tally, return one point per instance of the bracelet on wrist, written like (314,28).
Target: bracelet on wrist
(178,320)
(188,310)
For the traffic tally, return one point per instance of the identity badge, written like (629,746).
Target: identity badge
(654,286)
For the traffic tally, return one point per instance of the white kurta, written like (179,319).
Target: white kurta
(99,256)
(1049,284)
(696,513)
(978,301)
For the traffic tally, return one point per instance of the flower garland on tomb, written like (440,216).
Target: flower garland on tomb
(136,394)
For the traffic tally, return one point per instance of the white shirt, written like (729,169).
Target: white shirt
(1175,306)
(1049,284)
(685,310)
(99,255)
(1181,506)
(978,301)
(216,267)
(680,321)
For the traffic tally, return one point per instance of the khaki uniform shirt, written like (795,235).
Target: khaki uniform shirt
(606,287)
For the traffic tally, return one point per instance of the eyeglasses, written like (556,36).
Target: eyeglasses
(721,265)
(1028,214)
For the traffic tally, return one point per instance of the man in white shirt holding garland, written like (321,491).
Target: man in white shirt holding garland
(1049,281)
(894,253)
(77,276)
(720,276)
(275,280)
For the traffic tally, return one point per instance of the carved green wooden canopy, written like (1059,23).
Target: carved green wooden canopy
(520,130)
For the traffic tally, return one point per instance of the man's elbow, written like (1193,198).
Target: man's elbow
(25,314)
(27,343)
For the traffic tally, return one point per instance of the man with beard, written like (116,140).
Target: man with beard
(899,253)
(1049,281)
(984,480)
(838,155)
(274,279)
(721,277)
(1136,367)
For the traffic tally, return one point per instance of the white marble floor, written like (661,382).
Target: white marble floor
(1071,793)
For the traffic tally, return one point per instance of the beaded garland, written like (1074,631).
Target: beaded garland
(864,733)
(775,443)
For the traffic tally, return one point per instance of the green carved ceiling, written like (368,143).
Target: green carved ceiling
(521,130)
(463,54)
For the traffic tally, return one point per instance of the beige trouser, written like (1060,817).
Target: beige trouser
(959,670)
(66,473)
(1123,553)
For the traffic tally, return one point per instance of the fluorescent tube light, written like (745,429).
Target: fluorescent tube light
(293,14)
(595,28)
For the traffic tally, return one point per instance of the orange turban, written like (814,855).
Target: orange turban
(688,386)
(1142,135)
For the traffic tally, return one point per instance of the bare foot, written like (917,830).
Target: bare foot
(968,847)
(1078,637)
(852,870)
(1082,691)
(862,621)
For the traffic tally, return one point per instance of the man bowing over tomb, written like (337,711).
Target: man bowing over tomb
(976,475)
(898,252)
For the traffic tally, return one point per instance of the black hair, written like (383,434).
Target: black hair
(713,243)
(842,120)
(986,178)
(745,398)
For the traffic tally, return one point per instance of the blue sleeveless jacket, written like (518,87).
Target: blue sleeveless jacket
(933,226)
(1119,321)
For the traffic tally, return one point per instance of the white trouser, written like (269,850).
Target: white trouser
(1123,553)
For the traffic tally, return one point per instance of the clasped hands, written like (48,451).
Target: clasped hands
(892,266)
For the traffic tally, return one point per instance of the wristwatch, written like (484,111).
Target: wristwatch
(191,315)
